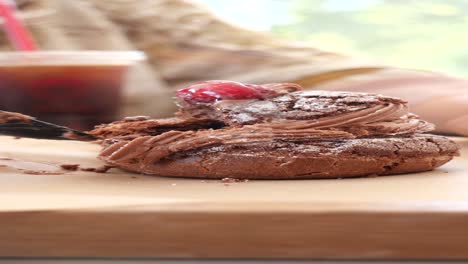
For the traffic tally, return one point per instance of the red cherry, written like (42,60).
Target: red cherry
(212,91)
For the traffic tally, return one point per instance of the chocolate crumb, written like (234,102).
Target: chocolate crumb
(70,167)
(102,169)
(88,169)
(134,177)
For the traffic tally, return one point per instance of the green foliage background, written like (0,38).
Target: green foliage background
(429,34)
(422,34)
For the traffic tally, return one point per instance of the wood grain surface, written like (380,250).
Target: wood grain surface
(120,214)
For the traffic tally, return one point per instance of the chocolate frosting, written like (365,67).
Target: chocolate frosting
(290,116)
(10,117)
(133,127)
(365,114)
(155,148)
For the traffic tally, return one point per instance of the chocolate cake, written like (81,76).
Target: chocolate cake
(275,131)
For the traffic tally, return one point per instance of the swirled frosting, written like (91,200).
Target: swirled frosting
(359,113)
(294,116)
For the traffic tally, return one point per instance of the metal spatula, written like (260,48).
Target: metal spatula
(19,125)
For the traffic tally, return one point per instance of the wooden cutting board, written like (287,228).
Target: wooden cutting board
(120,214)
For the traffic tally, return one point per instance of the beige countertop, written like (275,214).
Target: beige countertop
(120,214)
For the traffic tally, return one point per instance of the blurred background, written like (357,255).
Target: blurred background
(415,50)
(426,34)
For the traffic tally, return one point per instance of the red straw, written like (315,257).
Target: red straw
(17,33)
